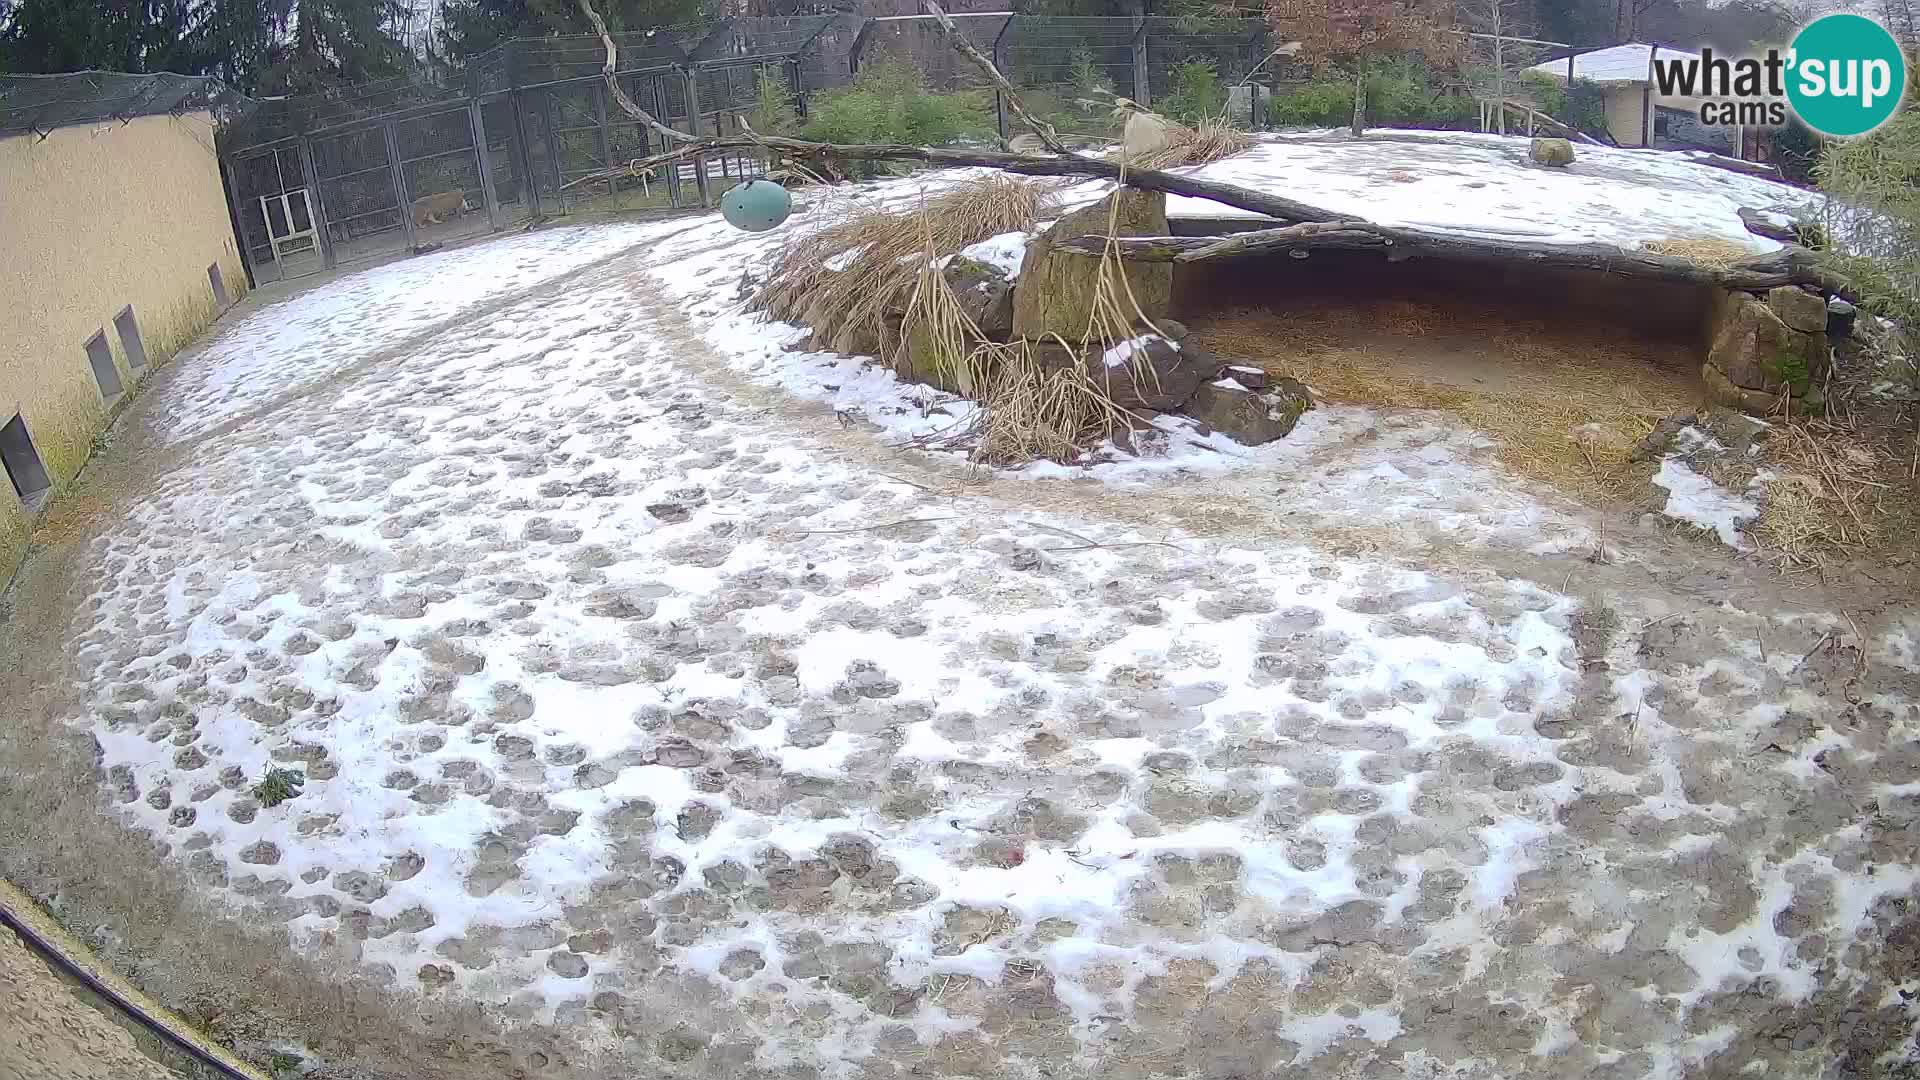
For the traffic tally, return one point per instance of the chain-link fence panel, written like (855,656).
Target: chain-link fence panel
(275,213)
(440,176)
(1072,69)
(1193,65)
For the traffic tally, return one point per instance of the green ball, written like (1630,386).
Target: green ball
(756,206)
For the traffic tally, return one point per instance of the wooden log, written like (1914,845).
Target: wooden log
(1258,202)
(1733,164)
(1541,119)
(1788,266)
(1760,226)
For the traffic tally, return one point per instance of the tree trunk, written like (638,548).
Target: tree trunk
(1359,96)
(1788,266)
(1499,69)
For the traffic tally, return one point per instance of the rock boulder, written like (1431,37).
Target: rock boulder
(985,294)
(1252,417)
(1756,358)
(1055,291)
(1554,152)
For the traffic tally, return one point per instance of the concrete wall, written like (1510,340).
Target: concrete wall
(94,218)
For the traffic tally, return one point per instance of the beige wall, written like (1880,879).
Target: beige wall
(1625,106)
(94,218)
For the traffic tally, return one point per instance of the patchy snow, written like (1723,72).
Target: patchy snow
(1004,252)
(642,682)
(284,346)
(1482,185)
(840,262)
(1696,500)
(1123,352)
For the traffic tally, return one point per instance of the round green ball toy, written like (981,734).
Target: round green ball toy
(756,206)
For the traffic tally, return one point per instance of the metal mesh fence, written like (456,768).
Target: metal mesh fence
(529,128)
(40,103)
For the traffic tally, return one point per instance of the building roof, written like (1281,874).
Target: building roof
(40,103)
(1629,63)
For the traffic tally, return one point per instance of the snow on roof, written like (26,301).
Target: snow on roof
(1629,63)
(1466,183)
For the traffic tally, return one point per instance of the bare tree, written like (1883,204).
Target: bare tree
(1498,49)
(1902,17)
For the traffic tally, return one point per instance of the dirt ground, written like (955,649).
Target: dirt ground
(1246,787)
(48,1031)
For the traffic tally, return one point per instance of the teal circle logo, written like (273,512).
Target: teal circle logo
(1847,75)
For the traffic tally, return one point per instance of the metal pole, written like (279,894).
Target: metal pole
(485,161)
(315,204)
(1569,117)
(523,152)
(1142,85)
(1000,61)
(401,201)
(606,137)
(693,127)
(553,147)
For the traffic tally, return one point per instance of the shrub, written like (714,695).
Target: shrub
(1320,103)
(1873,214)
(1197,93)
(1551,96)
(889,102)
(1401,92)
(774,112)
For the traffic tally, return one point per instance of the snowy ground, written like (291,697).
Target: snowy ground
(1483,185)
(636,689)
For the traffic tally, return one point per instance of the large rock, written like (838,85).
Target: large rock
(1144,374)
(1754,350)
(985,294)
(1798,308)
(1555,152)
(1055,291)
(1252,417)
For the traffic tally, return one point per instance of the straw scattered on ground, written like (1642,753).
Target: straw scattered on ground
(1566,410)
(1831,494)
(1711,252)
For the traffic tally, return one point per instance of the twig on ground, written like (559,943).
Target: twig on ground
(874,528)
(1824,638)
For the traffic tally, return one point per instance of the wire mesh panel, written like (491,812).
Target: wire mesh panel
(440,174)
(1070,69)
(359,201)
(1181,52)
(922,45)
(505,155)
(275,213)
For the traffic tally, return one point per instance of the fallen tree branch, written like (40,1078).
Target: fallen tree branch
(1541,119)
(620,98)
(1759,225)
(1258,202)
(1048,137)
(1788,266)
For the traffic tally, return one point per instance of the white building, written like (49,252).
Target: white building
(1638,114)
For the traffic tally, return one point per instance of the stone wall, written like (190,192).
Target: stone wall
(1768,354)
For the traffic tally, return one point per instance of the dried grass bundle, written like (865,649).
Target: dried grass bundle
(1208,141)
(842,279)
